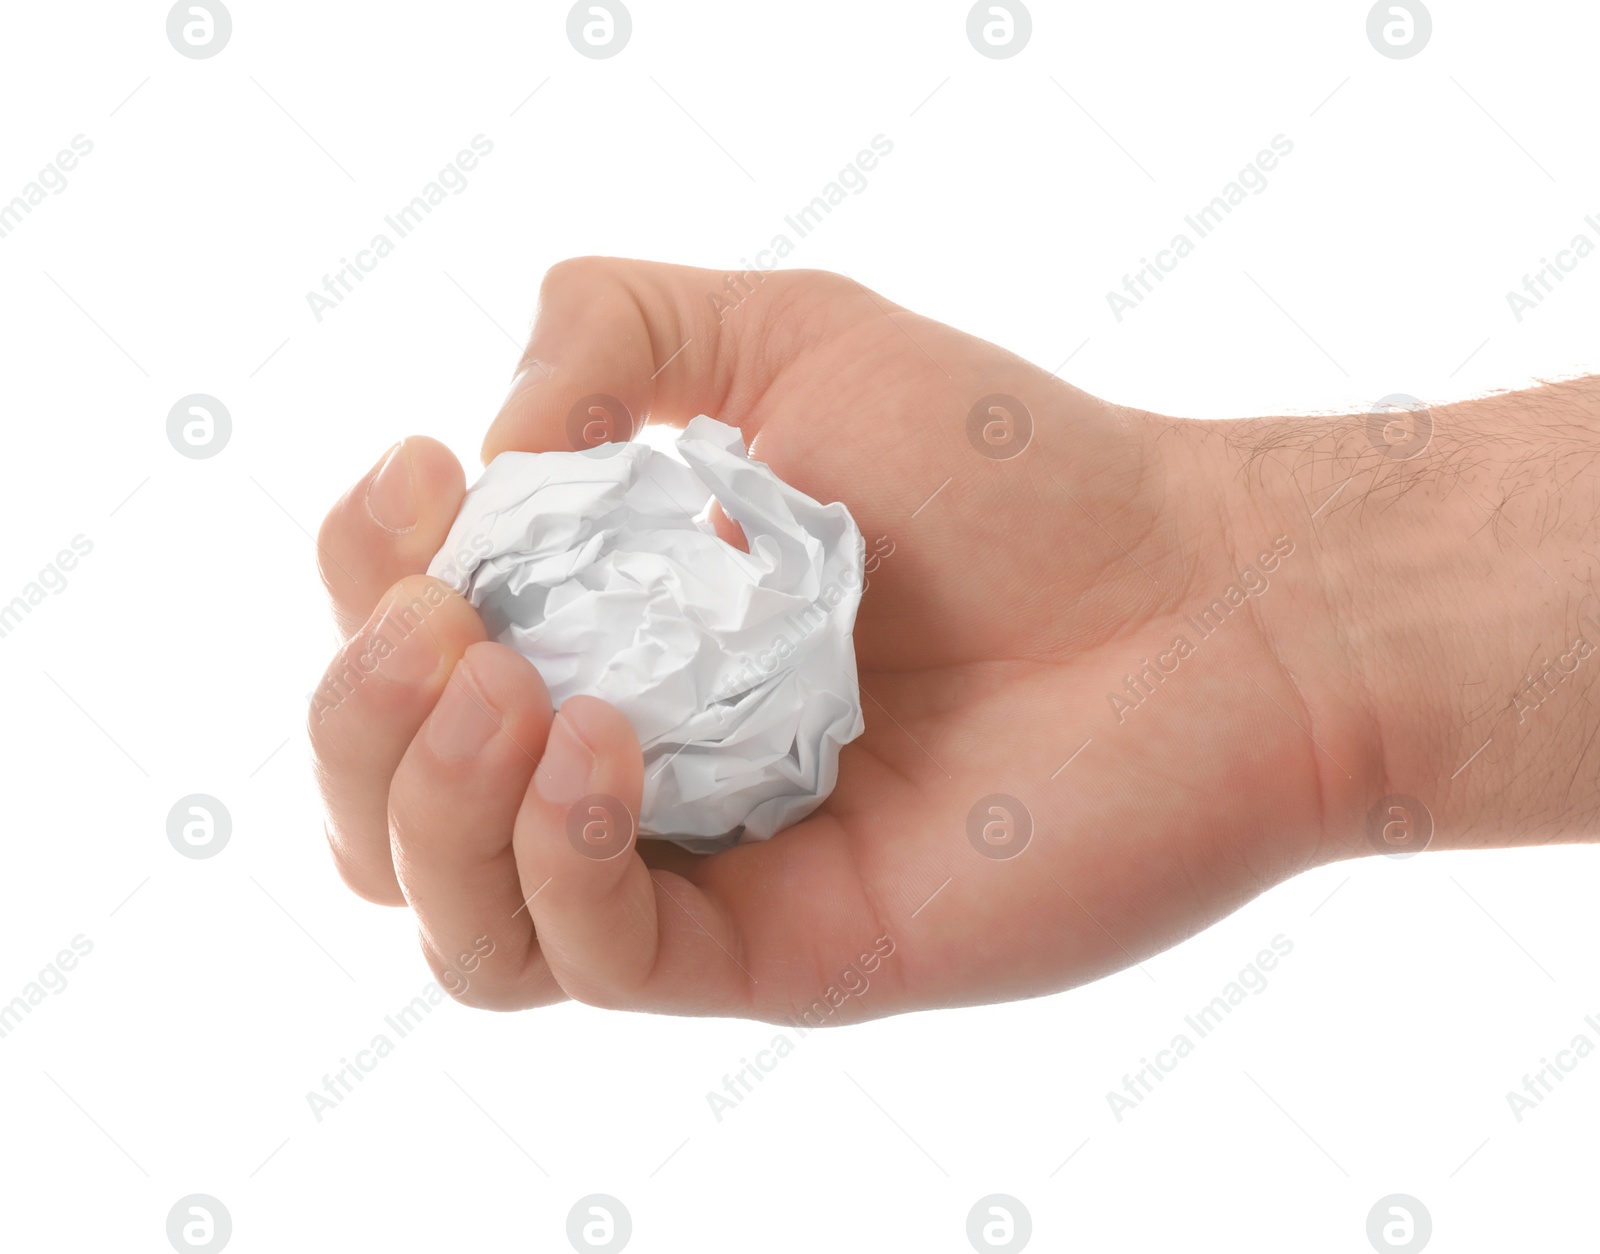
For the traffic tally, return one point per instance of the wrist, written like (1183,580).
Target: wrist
(1444,622)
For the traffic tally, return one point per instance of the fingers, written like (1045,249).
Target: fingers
(728,531)
(452,806)
(614,932)
(616,342)
(388,526)
(372,699)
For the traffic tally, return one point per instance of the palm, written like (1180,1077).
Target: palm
(1000,614)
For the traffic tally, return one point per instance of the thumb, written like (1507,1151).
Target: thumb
(618,342)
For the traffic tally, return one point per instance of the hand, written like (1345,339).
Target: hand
(1050,787)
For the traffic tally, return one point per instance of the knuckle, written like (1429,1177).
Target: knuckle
(343,684)
(425,601)
(407,828)
(576,273)
(803,302)
(604,996)
(825,281)
(336,581)
(478,989)
(319,729)
(380,890)
(421,592)
(465,993)
(484,994)
(426,803)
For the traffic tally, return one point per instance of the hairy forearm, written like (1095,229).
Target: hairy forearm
(1449,611)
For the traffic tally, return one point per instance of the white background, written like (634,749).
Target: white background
(178,657)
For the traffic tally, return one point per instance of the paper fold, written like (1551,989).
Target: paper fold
(736,670)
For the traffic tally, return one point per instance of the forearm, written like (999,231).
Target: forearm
(1447,608)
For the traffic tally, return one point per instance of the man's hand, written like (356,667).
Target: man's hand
(1115,674)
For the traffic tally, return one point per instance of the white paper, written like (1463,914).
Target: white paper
(737,670)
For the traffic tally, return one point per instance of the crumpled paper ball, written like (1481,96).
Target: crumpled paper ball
(736,670)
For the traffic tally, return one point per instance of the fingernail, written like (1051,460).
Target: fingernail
(465,719)
(568,763)
(401,646)
(390,498)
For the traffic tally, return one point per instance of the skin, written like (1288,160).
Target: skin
(1409,602)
